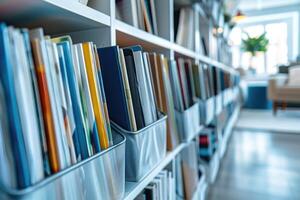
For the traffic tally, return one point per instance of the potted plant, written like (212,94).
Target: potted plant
(253,45)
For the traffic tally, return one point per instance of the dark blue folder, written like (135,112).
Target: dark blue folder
(113,86)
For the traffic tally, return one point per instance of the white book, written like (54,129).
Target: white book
(140,14)
(56,105)
(164,177)
(150,87)
(185,27)
(142,87)
(128,11)
(158,182)
(26,106)
(63,105)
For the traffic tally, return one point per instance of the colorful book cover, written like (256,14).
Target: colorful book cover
(68,108)
(102,96)
(88,57)
(80,129)
(17,141)
(64,106)
(82,100)
(46,106)
(89,112)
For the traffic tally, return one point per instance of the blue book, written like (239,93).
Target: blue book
(74,93)
(113,86)
(17,140)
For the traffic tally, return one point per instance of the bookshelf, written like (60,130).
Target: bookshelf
(99,25)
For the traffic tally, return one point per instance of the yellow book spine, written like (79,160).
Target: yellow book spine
(88,58)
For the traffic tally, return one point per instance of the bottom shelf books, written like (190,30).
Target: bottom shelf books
(161,188)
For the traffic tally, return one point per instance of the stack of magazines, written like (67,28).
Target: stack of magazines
(52,104)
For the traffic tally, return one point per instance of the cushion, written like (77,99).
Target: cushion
(294,76)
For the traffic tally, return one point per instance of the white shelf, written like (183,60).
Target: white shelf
(55,16)
(132,189)
(130,35)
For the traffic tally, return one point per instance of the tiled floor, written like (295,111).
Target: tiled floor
(259,166)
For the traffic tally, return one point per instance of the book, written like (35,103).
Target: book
(91,74)
(37,103)
(63,103)
(46,106)
(185,28)
(8,176)
(175,86)
(92,144)
(102,96)
(85,94)
(26,105)
(127,91)
(190,82)
(156,80)
(61,138)
(183,82)
(132,78)
(80,129)
(145,90)
(68,108)
(114,86)
(128,11)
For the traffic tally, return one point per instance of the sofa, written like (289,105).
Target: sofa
(284,89)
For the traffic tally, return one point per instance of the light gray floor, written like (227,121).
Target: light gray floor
(259,166)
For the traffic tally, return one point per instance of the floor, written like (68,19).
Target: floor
(259,166)
(284,121)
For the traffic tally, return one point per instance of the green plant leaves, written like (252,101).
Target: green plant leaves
(255,44)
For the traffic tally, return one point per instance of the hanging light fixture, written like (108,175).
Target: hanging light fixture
(239,16)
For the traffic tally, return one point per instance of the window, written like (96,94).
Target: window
(277,52)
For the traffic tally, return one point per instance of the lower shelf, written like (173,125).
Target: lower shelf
(133,189)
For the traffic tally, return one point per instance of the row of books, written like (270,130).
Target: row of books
(53,105)
(189,30)
(161,188)
(138,89)
(138,13)
(190,82)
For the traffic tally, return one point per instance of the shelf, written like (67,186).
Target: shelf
(127,35)
(180,50)
(132,189)
(55,16)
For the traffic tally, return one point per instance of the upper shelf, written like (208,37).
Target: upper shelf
(55,16)
(128,35)
(60,16)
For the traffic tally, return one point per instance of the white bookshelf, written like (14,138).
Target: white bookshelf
(100,26)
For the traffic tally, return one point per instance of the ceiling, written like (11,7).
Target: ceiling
(263,4)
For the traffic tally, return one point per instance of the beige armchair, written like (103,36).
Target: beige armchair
(284,89)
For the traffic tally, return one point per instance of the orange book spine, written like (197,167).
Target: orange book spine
(90,68)
(46,107)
